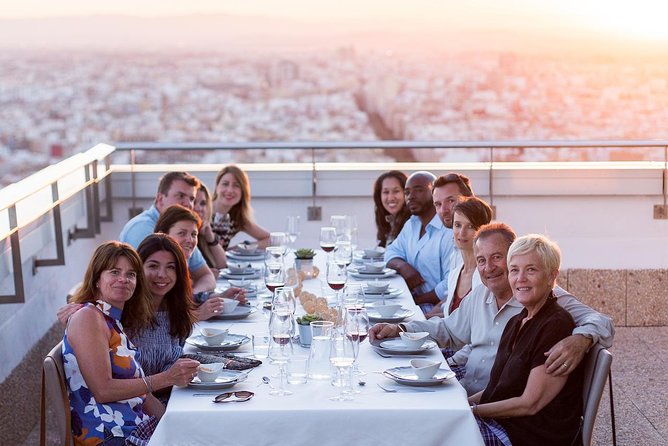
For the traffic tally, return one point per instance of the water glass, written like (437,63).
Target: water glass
(297,369)
(260,345)
(292,229)
(341,357)
(319,367)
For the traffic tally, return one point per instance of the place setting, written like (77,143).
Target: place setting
(405,344)
(246,251)
(420,373)
(216,340)
(214,377)
(373,270)
(240,271)
(392,313)
(378,289)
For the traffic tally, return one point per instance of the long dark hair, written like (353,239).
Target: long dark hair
(174,214)
(137,311)
(384,229)
(475,210)
(178,300)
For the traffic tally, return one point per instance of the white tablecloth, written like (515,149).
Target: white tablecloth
(307,416)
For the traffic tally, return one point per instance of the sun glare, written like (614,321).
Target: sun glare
(644,19)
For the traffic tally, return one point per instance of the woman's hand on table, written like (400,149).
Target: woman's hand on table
(182,372)
(211,307)
(234,293)
(383,330)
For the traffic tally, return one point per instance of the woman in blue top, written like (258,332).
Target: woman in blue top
(110,397)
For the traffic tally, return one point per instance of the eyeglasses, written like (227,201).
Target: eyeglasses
(239,397)
(460,180)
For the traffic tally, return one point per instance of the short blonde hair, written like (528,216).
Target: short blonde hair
(547,250)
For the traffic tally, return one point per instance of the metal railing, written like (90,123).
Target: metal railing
(90,161)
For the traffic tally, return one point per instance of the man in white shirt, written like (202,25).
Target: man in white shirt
(421,251)
(482,317)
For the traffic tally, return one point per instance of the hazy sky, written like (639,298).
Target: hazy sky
(637,18)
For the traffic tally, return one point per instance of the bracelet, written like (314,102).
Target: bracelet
(216,240)
(147,382)
(474,409)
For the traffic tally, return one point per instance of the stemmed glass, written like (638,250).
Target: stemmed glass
(343,252)
(337,275)
(279,240)
(342,356)
(353,296)
(280,329)
(274,277)
(356,328)
(284,297)
(327,238)
(292,229)
(340,224)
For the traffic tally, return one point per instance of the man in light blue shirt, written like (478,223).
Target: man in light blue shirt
(421,251)
(174,188)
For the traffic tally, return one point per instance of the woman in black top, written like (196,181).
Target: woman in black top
(390,206)
(521,399)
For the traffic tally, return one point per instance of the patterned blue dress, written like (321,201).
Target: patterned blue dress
(92,422)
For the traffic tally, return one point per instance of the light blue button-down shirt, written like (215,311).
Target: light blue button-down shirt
(142,225)
(429,254)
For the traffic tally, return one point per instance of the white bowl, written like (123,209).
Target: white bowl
(238,268)
(229,305)
(374,267)
(207,373)
(377,286)
(413,340)
(245,284)
(247,247)
(374,252)
(424,368)
(213,336)
(387,310)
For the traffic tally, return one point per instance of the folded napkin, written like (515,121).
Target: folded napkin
(232,362)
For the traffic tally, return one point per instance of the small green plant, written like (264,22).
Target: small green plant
(308,318)
(304,253)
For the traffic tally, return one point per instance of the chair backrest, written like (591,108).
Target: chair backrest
(54,388)
(597,368)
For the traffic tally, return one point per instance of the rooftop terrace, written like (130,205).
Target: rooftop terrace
(608,218)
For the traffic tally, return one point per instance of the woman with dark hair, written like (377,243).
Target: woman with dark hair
(469,214)
(390,206)
(208,241)
(183,225)
(110,394)
(233,212)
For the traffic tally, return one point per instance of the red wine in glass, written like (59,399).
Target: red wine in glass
(271,286)
(281,339)
(327,247)
(361,336)
(336,285)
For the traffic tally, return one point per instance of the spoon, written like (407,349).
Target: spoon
(266,380)
(360,381)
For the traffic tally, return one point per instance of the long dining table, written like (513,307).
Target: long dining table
(439,416)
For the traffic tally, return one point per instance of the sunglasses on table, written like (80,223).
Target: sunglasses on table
(239,397)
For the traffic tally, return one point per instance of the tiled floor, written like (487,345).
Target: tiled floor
(640,383)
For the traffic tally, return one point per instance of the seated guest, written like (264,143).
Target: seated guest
(183,225)
(174,188)
(448,190)
(482,316)
(161,343)
(233,212)
(421,252)
(208,242)
(390,206)
(110,396)
(469,214)
(521,400)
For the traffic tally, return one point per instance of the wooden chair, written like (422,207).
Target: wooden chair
(597,370)
(55,389)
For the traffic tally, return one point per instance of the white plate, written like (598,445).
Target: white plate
(257,255)
(399,316)
(376,294)
(227,378)
(240,312)
(250,271)
(387,272)
(226,274)
(231,342)
(406,375)
(397,347)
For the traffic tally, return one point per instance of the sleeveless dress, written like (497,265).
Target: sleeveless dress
(93,422)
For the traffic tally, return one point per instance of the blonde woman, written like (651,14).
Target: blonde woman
(208,241)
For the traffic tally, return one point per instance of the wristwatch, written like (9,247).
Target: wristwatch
(216,240)
(451,362)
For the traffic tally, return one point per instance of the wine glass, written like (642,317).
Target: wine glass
(274,277)
(337,275)
(281,327)
(327,238)
(340,224)
(356,328)
(273,254)
(278,240)
(353,296)
(342,356)
(284,297)
(352,230)
(292,229)
(343,252)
